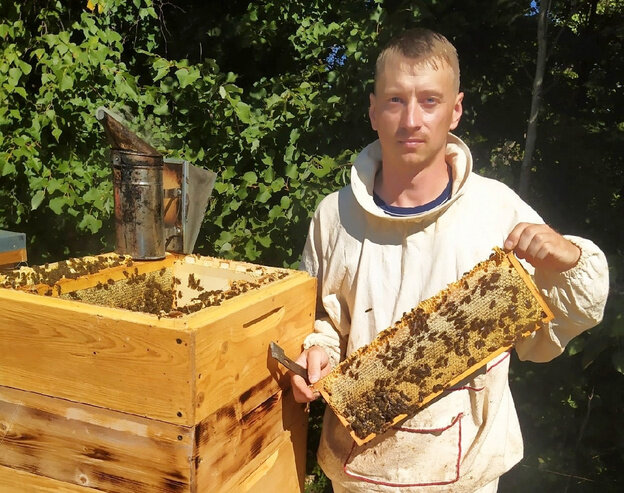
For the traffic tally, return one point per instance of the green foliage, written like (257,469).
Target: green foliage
(568,425)
(272,144)
(52,159)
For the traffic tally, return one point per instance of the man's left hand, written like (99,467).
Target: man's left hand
(542,247)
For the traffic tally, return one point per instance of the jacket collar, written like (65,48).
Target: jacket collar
(368,163)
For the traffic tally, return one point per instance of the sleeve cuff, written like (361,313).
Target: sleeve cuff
(318,340)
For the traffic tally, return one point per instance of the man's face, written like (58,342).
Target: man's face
(414,107)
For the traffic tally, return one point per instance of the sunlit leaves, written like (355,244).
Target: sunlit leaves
(37,198)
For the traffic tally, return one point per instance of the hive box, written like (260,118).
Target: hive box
(94,397)
(12,248)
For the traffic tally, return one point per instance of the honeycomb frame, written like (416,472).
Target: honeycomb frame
(441,342)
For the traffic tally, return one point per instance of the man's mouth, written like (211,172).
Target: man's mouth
(412,142)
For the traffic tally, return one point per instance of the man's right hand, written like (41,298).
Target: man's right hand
(316,361)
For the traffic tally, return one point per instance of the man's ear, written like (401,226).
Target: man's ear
(457,111)
(371,111)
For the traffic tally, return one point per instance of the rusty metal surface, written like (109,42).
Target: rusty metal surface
(138,191)
(138,197)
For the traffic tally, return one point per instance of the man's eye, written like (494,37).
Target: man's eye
(395,99)
(430,101)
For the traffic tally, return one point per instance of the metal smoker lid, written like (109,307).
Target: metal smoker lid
(187,191)
(121,137)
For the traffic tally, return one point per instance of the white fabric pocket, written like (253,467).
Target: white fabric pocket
(434,453)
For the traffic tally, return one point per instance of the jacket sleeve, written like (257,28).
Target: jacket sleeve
(330,309)
(577,298)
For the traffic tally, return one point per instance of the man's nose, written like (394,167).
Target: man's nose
(412,115)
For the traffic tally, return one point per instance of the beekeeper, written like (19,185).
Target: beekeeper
(414,219)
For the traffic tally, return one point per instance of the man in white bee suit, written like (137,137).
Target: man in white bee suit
(414,219)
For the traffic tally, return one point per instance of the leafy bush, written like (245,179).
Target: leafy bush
(269,144)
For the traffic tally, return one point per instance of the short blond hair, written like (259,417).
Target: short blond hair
(422,45)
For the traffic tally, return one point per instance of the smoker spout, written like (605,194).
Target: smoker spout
(122,138)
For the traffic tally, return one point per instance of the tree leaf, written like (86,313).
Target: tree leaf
(264,195)
(285,202)
(56,204)
(186,77)
(90,223)
(292,171)
(250,177)
(66,81)
(37,199)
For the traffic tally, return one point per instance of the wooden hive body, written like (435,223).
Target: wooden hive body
(435,346)
(101,398)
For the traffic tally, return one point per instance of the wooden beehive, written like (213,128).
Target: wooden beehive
(98,394)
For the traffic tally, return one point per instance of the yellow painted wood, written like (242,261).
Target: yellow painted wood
(96,355)
(275,470)
(175,369)
(126,401)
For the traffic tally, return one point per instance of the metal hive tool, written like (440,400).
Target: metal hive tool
(439,343)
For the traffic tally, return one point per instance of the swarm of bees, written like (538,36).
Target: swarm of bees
(434,346)
(154,292)
(50,274)
(205,298)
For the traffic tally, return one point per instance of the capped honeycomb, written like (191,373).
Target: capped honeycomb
(435,346)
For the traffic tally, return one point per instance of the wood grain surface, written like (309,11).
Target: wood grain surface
(240,444)
(111,358)
(101,398)
(93,447)
(233,356)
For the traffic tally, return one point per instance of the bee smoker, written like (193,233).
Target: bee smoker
(159,203)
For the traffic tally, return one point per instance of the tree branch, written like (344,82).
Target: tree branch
(538,80)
